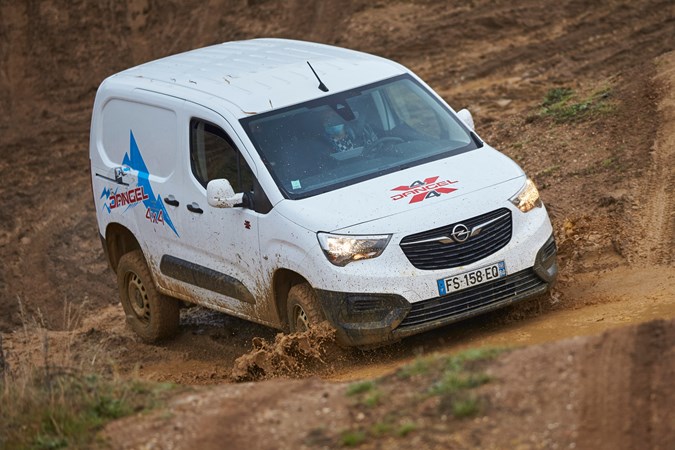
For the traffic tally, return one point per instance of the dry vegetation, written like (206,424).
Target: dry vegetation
(61,398)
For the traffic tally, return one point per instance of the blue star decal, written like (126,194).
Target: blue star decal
(154,203)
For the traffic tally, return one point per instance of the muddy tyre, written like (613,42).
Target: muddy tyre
(303,310)
(151,315)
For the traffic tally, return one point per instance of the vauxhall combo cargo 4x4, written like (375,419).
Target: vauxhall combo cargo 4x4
(289,183)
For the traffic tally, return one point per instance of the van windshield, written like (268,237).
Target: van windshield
(352,136)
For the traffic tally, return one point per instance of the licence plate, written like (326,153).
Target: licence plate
(472,278)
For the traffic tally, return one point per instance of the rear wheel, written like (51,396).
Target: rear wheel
(151,315)
(303,308)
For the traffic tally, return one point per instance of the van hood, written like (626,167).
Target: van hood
(406,192)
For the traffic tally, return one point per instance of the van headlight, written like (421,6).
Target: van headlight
(527,198)
(342,249)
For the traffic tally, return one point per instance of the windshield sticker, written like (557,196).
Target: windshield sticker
(422,190)
(295,184)
(155,210)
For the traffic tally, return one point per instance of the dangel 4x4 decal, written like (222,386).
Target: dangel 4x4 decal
(422,190)
(155,210)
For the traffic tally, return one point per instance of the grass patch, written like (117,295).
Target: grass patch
(360,388)
(352,438)
(418,367)
(453,382)
(458,362)
(459,376)
(368,393)
(550,170)
(615,163)
(65,410)
(465,407)
(380,429)
(556,96)
(400,403)
(406,428)
(372,399)
(564,105)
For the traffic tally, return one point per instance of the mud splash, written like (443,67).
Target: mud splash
(290,355)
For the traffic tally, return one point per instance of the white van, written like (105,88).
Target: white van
(288,183)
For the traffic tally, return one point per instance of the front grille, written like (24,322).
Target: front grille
(425,251)
(470,299)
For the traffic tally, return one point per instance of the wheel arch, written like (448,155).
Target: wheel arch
(119,240)
(284,280)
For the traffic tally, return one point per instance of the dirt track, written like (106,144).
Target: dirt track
(606,178)
(551,396)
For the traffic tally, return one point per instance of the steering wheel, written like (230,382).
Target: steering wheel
(377,144)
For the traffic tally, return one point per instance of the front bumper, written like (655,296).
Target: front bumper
(370,319)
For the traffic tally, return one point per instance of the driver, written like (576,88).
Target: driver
(345,136)
(339,135)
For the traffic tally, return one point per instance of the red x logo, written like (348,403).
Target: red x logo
(421,190)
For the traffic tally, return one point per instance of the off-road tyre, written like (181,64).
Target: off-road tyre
(151,315)
(302,308)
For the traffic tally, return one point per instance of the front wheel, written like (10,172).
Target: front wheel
(151,315)
(303,308)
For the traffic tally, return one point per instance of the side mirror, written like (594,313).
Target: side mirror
(219,194)
(466,117)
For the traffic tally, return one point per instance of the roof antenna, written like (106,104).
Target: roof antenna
(321,85)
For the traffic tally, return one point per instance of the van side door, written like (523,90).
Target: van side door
(217,262)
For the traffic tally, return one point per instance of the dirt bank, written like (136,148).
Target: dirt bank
(607,391)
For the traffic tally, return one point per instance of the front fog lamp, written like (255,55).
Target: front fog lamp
(343,249)
(527,198)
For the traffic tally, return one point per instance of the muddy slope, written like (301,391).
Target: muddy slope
(53,54)
(604,177)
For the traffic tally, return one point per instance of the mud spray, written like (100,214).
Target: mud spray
(290,355)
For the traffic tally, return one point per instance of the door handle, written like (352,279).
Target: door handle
(194,207)
(171,200)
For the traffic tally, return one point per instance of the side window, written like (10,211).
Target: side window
(213,155)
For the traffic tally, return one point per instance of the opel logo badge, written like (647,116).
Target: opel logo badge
(460,233)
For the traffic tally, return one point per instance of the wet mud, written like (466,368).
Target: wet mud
(296,355)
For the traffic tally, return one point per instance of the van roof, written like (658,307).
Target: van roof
(259,75)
